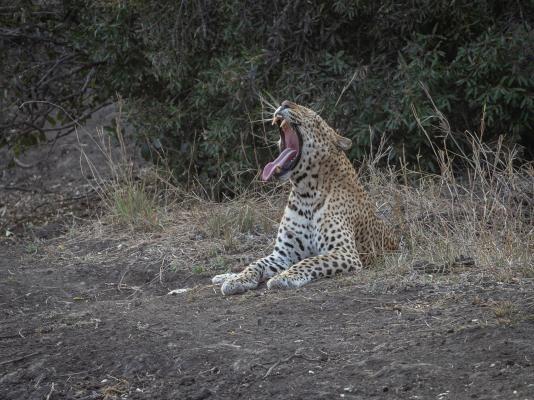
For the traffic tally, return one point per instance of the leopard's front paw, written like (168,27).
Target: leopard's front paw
(285,281)
(220,279)
(237,285)
(276,284)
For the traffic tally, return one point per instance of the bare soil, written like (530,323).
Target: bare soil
(55,187)
(89,317)
(68,331)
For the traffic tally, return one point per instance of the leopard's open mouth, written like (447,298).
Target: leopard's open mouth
(290,145)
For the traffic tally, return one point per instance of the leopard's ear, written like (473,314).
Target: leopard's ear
(342,142)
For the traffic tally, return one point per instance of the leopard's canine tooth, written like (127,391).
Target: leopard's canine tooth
(283,123)
(276,118)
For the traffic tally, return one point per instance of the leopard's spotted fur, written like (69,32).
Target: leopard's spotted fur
(329,224)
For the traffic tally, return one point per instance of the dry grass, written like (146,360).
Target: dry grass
(131,197)
(483,211)
(505,310)
(232,220)
(181,246)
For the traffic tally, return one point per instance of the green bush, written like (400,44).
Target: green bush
(47,80)
(193,73)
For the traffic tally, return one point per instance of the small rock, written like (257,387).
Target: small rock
(186,381)
(179,291)
(203,394)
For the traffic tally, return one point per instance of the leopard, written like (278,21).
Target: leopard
(329,224)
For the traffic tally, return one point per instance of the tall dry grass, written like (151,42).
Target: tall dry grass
(480,205)
(130,196)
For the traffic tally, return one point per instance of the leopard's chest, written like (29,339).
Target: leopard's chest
(317,225)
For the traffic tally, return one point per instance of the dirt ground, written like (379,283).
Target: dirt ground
(88,316)
(69,332)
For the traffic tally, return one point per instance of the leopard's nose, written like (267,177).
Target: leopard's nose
(286,104)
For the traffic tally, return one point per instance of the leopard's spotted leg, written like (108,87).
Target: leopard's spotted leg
(311,268)
(288,250)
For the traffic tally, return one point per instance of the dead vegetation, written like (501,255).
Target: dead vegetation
(472,221)
(129,196)
(482,214)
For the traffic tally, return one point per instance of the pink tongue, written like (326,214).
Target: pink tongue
(270,168)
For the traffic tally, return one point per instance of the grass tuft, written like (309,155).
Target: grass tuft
(131,196)
(133,205)
(232,220)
